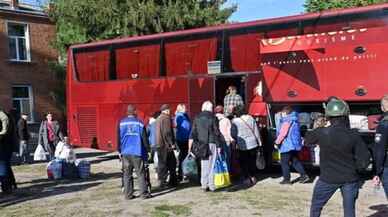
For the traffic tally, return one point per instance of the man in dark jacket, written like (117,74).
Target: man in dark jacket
(7,143)
(381,148)
(165,145)
(133,148)
(343,155)
(205,141)
(24,136)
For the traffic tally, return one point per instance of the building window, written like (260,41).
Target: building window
(18,42)
(22,100)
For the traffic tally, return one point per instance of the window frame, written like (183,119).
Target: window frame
(30,99)
(26,37)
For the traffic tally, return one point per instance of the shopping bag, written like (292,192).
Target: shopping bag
(69,171)
(40,154)
(260,159)
(83,167)
(189,166)
(54,169)
(221,173)
(276,155)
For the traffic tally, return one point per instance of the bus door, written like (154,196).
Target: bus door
(223,81)
(200,90)
(254,95)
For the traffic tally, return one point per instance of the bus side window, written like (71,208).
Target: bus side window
(92,66)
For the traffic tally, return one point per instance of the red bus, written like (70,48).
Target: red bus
(299,60)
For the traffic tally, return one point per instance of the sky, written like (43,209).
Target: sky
(249,10)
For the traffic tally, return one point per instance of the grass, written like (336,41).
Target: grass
(166,210)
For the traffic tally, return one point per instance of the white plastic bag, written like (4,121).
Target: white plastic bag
(40,154)
(65,152)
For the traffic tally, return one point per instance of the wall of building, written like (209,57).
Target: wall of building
(35,73)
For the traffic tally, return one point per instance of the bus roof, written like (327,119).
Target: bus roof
(235,26)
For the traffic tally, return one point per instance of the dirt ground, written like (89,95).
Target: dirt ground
(100,195)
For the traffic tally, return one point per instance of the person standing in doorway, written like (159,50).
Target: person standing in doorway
(343,155)
(49,135)
(381,150)
(165,143)
(183,129)
(24,136)
(231,100)
(290,141)
(133,149)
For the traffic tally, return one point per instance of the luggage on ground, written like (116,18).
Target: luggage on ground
(83,168)
(54,169)
(69,170)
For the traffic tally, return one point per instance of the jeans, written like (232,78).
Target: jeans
(129,164)
(7,178)
(23,151)
(385,181)
(324,191)
(166,166)
(183,151)
(207,169)
(50,148)
(285,159)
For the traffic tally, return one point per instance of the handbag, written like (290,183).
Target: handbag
(221,173)
(260,159)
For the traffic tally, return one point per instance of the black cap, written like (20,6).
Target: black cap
(164,107)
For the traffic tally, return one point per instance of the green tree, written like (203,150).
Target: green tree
(320,5)
(89,20)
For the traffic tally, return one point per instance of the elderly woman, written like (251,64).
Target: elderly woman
(246,134)
(183,129)
(207,139)
(49,135)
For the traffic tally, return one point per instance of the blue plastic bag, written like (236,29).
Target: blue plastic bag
(221,172)
(189,166)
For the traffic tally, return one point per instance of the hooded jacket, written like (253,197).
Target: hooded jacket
(289,136)
(183,127)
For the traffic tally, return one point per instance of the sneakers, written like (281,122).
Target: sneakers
(285,182)
(146,196)
(303,179)
(129,197)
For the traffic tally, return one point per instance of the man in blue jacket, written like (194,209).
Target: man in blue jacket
(132,147)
